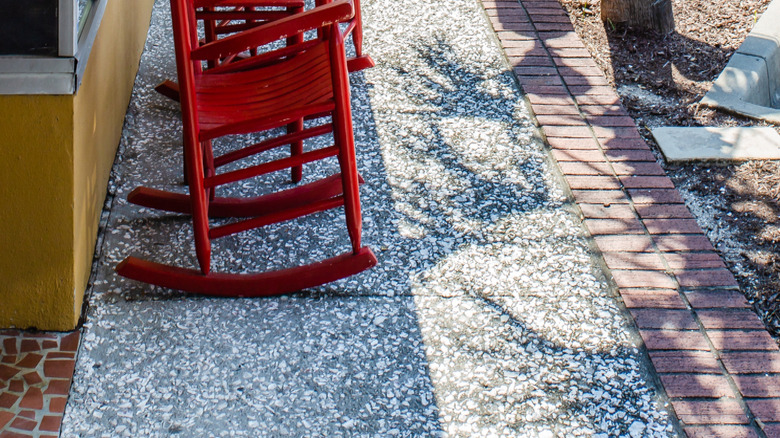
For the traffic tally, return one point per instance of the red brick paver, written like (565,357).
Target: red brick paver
(715,361)
(34,381)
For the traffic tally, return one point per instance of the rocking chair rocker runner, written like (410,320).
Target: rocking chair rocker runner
(305,80)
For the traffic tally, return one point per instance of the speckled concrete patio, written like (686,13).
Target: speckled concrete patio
(487,314)
(490,313)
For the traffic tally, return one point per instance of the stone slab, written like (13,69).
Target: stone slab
(683,144)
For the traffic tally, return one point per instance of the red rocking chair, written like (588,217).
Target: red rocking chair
(305,80)
(226,17)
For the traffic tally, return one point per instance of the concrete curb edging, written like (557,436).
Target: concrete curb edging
(715,360)
(750,83)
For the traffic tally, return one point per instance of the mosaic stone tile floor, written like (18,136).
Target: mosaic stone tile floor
(36,370)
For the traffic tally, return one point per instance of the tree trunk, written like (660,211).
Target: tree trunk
(639,14)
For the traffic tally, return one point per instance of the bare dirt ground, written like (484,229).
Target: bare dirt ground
(661,80)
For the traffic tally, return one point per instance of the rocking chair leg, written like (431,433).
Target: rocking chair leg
(357,34)
(343,134)
(208,168)
(296,148)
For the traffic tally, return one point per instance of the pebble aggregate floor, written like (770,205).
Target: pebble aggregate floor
(488,315)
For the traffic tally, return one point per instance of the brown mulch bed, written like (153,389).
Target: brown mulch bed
(660,80)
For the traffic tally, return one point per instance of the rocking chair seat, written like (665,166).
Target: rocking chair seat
(249,101)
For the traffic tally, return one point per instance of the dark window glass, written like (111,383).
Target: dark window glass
(28,27)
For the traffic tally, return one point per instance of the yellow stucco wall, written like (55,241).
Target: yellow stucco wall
(36,213)
(55,157)
(99,112)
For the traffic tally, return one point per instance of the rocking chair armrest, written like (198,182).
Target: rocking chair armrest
(320,16)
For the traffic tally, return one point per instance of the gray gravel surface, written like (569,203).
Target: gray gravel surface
(486,316)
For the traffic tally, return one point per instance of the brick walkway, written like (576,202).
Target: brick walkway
(714,358)
(717,364)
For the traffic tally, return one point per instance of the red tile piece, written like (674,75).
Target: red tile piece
(696,385)
(767,410)
(611,120)
(633,260)
(7,400)
(664,319)
(616,132)
(649,196)
(706,278)
(619,243)
(771,429)
(572,144)
(60,355)
(610,211)
(16,386)
(674,340)
(596,110)
(29,345)
(5,418)
(584,168)
(702,299)
(9,346)
(723,411)
(568,131)
(578,155)
(751,362)
(652,298)
(730,319)
(24,424)
(639,278)
(638,168)
(646,182)
(640,148)
(604,197)
(7,372)
(585,80)
(628,154)
(27,414)
(615,226)
(31,360)
(742,340)
(47,345)
(33,399)
(10,434)
(721,432)
(58,387)
(58,368)
(663,211)
(683,242)
(685,361)
(553,109)
(51,423)
(751,385)
(672,226)
(32,378)
(57,405)
(557,119)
